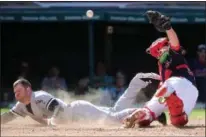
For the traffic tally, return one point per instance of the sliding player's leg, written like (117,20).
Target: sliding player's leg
(128,98)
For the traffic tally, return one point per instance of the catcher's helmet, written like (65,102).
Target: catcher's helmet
(156,46)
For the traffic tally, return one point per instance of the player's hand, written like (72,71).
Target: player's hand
(51,122)
(160,21)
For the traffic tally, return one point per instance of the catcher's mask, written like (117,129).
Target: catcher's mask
(156,48)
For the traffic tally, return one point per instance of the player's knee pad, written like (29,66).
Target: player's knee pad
(145,117)
(179,121)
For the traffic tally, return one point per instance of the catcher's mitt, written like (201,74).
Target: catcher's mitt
(160,21)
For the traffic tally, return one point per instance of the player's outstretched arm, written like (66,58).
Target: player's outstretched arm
(163,24)
(173,39)
(15,112)
(52,105)
(7,117)
(55,108)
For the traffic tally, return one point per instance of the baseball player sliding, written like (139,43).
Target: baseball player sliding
(48,110)
(177,93)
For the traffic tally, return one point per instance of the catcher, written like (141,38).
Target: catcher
(177,91)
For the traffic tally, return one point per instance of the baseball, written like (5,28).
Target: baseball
(90,13)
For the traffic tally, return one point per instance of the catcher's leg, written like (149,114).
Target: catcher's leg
(181,102)
(144,116)
(167,94)
(127,100)
(178,94)
(153,108)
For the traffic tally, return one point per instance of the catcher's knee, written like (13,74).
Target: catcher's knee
(179,121)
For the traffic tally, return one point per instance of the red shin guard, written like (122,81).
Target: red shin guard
(177,115)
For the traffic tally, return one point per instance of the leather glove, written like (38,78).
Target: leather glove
(160,21)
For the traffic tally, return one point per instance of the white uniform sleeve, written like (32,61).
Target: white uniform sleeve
(51,104)
(44,99)
(18,110)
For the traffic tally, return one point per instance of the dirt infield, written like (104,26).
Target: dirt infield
(27,127)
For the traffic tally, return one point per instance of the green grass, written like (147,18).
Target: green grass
(4,110)
(196,114)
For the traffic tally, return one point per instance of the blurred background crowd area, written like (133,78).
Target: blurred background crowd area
(55,56)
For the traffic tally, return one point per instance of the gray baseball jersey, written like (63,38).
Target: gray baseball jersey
(41,105)
(42,108)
